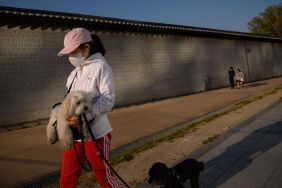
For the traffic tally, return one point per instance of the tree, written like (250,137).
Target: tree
(268,22)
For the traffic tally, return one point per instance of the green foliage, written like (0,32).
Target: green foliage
(211,139)
(268,22)
(86,180)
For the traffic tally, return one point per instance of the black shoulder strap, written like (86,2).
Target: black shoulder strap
(72,83)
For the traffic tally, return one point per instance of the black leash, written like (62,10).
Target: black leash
(78,158)
(81,136)
(101,153)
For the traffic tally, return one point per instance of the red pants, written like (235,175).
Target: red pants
(71,168)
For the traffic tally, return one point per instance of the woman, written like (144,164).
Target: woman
(93,74)
(239,78)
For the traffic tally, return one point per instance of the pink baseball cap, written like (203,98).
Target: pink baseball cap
(73,39)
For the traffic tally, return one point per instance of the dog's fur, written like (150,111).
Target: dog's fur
(175,177)
(51,130)
(75,103)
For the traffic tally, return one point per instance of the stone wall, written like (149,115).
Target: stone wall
(146,67)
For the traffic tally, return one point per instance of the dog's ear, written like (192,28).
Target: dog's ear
(67,107)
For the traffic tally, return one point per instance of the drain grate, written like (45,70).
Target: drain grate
(43,181)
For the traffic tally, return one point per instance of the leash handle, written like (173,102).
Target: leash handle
(101,153)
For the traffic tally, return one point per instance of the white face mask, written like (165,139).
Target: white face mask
(76,59)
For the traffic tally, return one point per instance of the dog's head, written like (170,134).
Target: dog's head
(77,103)
(159,174)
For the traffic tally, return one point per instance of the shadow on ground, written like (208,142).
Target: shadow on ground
(240,155)
(255,84)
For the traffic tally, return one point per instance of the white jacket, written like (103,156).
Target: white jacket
(239,76)
(95,76)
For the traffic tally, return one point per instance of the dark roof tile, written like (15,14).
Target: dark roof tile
(35,18)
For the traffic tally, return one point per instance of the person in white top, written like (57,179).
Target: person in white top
(239,78)
(93,74)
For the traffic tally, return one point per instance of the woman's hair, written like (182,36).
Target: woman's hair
(96,45)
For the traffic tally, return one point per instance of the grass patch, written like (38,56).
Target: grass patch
(211,139)
(87,180)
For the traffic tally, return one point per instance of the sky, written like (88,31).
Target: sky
(231,15)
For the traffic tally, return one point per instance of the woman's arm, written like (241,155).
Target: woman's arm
(105,83)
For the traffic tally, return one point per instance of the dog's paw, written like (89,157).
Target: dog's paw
(52,140)
(68,147)
(67,143)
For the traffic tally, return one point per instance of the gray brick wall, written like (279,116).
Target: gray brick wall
(146,67)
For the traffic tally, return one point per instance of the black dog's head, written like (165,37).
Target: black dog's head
(160,174)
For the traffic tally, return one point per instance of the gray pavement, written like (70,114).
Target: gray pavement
(25,156)
(250,157)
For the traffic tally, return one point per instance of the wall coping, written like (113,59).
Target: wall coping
(41,19)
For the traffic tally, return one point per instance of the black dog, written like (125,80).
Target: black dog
(175,177)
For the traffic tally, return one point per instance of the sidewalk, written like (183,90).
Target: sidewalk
(250,157)
(25,156)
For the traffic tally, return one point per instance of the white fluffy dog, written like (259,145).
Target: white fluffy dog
(75,103)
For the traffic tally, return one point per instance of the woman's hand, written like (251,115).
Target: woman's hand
(73,121)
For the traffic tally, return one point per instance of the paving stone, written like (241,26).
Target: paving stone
(256,125)
(210,175)
(239,165)
(222,179)
(222,162)
(250,158)
(253,175)
(275,180)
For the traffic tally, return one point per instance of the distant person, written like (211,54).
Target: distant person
(239,78)
(231,74)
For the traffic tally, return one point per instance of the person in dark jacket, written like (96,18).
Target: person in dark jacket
(231,74)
